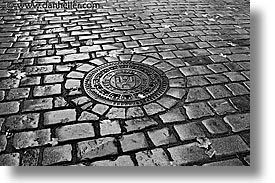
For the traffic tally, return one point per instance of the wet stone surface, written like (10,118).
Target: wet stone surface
(158,83)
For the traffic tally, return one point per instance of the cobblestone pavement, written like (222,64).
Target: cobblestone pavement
(202,46)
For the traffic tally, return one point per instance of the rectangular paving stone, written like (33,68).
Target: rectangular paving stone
(216,78)
(172,40)
(155,157)
(2,120)
(176,92)
(188,153)
(93,48)
(133,142)
(18,93)
(108,127)
(194,70)
(53,78)
(182,54)
(218,91)
(116,113)
(100,108)
(217,68)
(31,138)
(9,83)
(150,42)
(189,131)
(162,136)
(221,106)
(173,115)
(76,57)
(198,110)
(10,57)
(49,60)
(237,89)
(30,157)
(120,161)
(47,90)
(139,124)
(238,122)
(153,108)
(31,70)
(34,54)
(11,159)
(59,116)
(133,112)
(22,121)
(75,131)
(231,162)
(37,104)
(230,145)
(241,103)
(57,154)
(196,81)
(28,81)
(197,94)
(239,57)
(9,108)
(235,76)
(3,143)
(96,148)
(66,51)
(215,126)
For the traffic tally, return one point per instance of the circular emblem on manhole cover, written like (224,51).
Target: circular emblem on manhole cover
(125,83)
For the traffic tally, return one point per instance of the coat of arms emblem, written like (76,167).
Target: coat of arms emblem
(125,81)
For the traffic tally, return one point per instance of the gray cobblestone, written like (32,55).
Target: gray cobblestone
(60,116)
(139,124)
(229,145)
(221,106)
(189,131)
(11,159)
(162,136)
(31,138)
(215,126)
(198,110)
(9,108)
(47,90)
(120,161)
(37,104)
(30,157)
(108,127)
(96,148)
(218,91)
(203,47)
(232,162)
(3,143)
(76,131)
(188,153)
(155,157)
(133,142)
(21,122)
(197,94)
(56,154)
(238,122)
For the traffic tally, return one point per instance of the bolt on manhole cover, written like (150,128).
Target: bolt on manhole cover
(125,83)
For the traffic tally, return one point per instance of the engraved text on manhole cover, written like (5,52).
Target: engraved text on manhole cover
(125,83)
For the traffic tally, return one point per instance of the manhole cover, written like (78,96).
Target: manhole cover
(125,83)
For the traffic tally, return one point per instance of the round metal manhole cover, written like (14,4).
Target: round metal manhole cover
(125,83)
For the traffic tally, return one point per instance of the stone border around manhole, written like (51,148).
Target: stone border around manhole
(76,93)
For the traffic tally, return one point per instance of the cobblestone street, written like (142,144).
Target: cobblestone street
(130,83)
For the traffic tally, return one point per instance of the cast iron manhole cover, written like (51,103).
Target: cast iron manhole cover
(125,83)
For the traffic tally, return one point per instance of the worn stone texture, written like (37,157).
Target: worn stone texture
(202,47)
(96,148)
